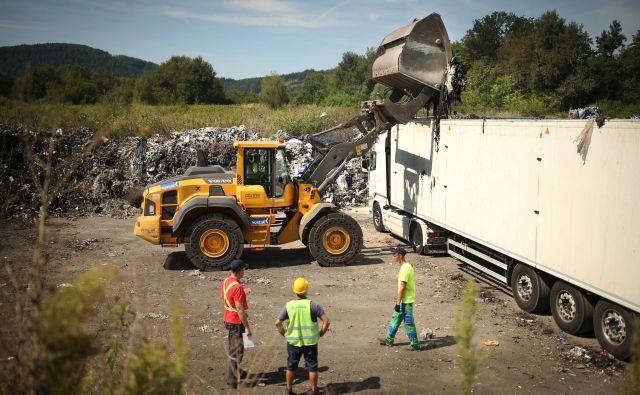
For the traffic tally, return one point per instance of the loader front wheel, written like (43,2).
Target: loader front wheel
(214,241)
(335,239)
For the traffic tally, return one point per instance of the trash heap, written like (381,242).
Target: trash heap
(94,174)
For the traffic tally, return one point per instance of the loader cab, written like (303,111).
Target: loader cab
(264,165)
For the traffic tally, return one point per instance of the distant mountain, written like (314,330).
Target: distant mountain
(292,81)
(15,60)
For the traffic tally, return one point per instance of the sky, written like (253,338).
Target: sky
(253,38)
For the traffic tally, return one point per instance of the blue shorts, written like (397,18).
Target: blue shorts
(310,357)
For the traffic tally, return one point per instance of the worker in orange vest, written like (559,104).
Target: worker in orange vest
(236,318)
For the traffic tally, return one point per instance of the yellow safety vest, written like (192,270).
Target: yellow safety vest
(301,331)
(227,305)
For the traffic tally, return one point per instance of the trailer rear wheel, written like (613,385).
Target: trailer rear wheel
(416,238)
(377,217)
(214,241)
(335,239)
(530,290)
(571,309)
(614,327)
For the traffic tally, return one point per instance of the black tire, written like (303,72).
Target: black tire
(614,327)
(530,290)
(415,237)
(335,223)
(377,217)
(224,226)
(571,309)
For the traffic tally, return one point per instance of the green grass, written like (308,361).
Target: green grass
(119,120)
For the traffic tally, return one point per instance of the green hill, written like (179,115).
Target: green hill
(291,80)
(16,59)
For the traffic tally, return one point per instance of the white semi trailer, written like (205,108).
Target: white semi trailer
(514,199)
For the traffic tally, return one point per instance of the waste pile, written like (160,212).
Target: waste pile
(91,173)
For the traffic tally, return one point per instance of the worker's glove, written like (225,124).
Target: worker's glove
(397,308)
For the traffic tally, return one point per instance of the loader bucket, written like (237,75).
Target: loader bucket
(414,56)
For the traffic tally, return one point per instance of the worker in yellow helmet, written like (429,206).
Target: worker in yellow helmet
(302,333)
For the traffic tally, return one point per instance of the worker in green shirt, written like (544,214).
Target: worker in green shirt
(405,299)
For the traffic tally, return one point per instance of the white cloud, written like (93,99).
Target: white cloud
(275,13)
(263,6)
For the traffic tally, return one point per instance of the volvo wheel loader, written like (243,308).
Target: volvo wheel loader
(214,213)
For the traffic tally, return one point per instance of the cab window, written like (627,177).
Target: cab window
(282,172)
(258,168)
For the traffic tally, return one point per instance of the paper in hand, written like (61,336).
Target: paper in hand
(248,343)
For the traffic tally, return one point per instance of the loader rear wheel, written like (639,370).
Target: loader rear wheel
(335,239)
(214,241)
(571,310)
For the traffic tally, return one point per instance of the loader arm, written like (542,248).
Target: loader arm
(416,62)
(377,117)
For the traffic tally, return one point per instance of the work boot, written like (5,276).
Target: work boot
(289,391)
(384,342)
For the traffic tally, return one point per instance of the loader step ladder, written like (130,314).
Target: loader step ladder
(260,229)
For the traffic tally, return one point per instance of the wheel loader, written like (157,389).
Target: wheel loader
(215,213)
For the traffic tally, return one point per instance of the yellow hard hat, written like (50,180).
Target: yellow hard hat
(300,286)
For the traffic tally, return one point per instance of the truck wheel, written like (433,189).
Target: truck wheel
(214,241)
(335,239)
(416,238)
(377,217)
(530,290)
(571,309)
(614,327)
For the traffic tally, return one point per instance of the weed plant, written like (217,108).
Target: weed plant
(632,382)
(464,325)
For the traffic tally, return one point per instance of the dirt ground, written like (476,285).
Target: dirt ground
(532,357)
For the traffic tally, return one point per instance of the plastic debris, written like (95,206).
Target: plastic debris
(100,180)
(427,334)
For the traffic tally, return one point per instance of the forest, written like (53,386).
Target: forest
(514,65)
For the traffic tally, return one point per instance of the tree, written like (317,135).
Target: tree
(234,96)
(516,55)
(180,80)
(352,76)
(487,34)
(6,85)
(630,70)
(610,40)
(560,48)
(312,91)
(251,97)
(273,91)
